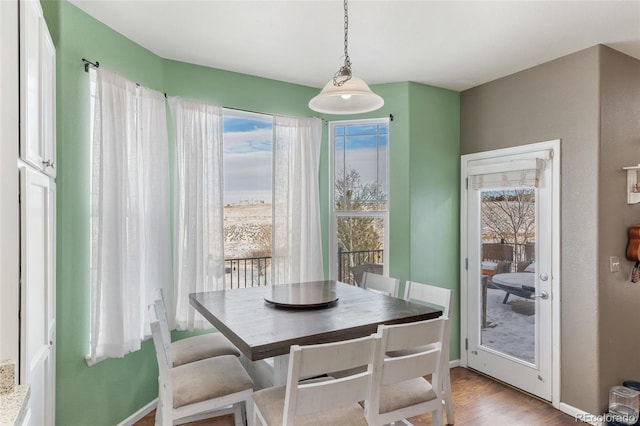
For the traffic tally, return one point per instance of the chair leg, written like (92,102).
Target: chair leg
(158,415)
(506,297)
(252,415)
(238,416)
(448,401)
(249,413)
(436,416)
(164,415)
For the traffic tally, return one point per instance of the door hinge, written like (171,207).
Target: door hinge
(466,344)
(466,263)
(466,183)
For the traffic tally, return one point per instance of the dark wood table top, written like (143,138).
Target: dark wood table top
(261,330)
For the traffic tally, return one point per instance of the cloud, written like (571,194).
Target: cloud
(247,170)
(365,161)
(257,140)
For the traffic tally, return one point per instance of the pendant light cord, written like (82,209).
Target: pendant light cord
(344,73)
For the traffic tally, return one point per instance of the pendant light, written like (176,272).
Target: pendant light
(346,94)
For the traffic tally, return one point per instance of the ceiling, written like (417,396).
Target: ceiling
(451,44)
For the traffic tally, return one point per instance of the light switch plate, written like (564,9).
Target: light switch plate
(614,264)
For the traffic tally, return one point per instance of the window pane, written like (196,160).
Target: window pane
(360,163)
(248,148)
(360,243)
(339,169)
(248,152)
(508,272)
(361,129)
(382,171)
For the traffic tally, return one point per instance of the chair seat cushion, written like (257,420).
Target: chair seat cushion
(270,402)
(404,394)
(207,379)
(201,347)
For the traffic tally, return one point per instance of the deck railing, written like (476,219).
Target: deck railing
(256,271)
(247,272)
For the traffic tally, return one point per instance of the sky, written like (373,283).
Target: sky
(247,159)
(362,149)
(248,156)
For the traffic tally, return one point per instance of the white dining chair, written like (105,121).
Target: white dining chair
(323,401)
(400,388)
(433,295)
(199,389)
(440,297)
(192,348)
(380,283)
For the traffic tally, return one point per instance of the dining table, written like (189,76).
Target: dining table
(264,322)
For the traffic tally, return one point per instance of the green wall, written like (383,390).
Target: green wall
(435,193)
(424,125)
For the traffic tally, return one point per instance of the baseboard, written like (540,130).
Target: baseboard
(455,363)
(583,416)
(132,419)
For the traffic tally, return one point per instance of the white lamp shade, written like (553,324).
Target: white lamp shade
(353,97)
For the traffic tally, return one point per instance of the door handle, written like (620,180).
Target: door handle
(543,295)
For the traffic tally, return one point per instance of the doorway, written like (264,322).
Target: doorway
(510,295)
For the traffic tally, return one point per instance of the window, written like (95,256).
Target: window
(359,197)
(248,194)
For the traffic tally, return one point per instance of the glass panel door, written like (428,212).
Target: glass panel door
(508,236)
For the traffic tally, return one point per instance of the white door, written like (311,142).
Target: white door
(509,272)
(37,89)
(48,100)
(32,149)
(37,294)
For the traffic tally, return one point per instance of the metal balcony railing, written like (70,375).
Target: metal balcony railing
(247,272)
(256,271)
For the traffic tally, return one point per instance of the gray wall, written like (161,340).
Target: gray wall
(557,100)
(619,146)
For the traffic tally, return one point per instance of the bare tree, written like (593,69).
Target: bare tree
(508,216)
(357,233)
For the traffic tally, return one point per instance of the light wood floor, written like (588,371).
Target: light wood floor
(477,400)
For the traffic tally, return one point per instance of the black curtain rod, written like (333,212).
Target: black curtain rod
(246,110)
(88,63)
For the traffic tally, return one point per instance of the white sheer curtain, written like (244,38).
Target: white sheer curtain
(297,243)
(130,229)
(198,204)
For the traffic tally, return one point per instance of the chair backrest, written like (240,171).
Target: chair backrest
(159,296)
(430,294)
(387,285)
(359,270)
(158,314)
(425,343)
(313,396)
(163,355)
